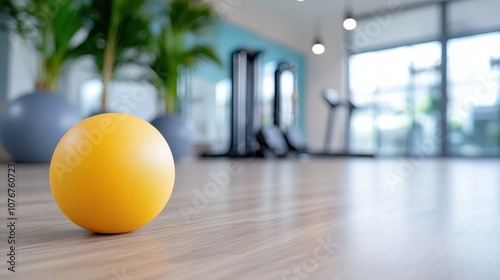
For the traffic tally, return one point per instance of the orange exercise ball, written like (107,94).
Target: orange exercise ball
(112,173)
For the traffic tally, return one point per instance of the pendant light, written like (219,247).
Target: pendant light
(349,21)
(318,47)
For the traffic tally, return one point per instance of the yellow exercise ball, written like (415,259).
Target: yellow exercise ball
(112,173)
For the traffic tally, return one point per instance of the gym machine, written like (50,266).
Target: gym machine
(285,124)
(283,137)
(246,86)
(332,98)
(248,137)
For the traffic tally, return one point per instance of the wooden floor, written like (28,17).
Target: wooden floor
(309,219)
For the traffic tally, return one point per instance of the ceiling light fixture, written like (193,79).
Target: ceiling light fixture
(318,47)
(349,21)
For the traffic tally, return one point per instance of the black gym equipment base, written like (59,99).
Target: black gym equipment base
(340,155)
(209,155)
(318,154)
(332,99)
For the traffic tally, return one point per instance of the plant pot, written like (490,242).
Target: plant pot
(176,131)
(33,124)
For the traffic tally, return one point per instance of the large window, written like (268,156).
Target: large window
(397,91)
(395,79)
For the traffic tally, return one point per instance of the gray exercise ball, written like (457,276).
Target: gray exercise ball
(33,124)
(176,131)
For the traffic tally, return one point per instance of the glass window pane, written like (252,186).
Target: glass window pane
(397,92)
(474,88)
(390,69)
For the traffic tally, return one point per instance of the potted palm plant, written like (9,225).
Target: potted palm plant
(8,13)
(34,123)
(118,33)
(172,55)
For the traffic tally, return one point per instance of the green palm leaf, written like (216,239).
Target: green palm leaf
(64,24)
(171,53)
(119,30)
(193,16)
(8,15)
(50,27)
(199,53)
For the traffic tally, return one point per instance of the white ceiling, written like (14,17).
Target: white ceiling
(308,9)
(297,19)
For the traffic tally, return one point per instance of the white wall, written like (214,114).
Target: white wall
(325,71)
(17,74)
(133,98)
(4,61)
(22,68)
(264,23)
(4,81)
